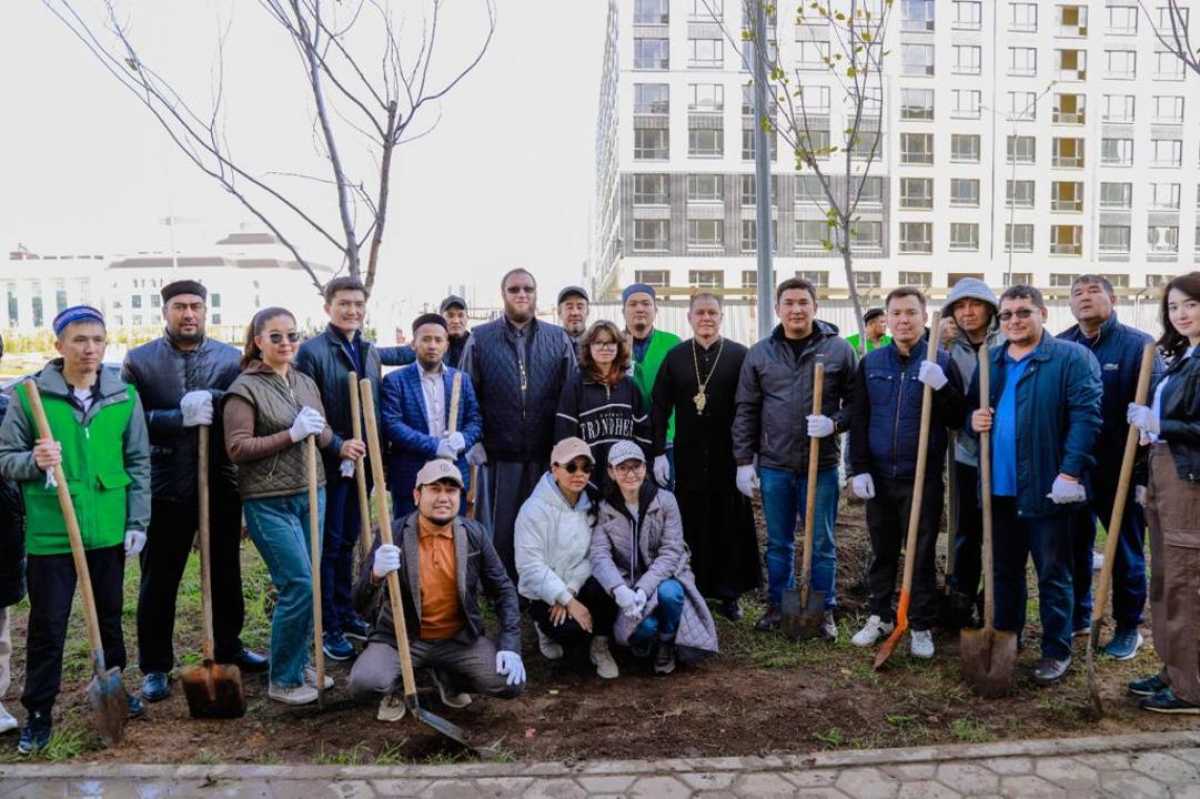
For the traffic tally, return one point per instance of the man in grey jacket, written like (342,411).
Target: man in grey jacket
(775,391)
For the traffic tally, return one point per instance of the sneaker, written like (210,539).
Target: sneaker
(770,620)
(1165,701)
(921,644)
(829,628)
(136,708)
(730,609)
(1147,686)
(7,722)
(1049,671)
(35,735)
(296,695)
(871,631)
(356,629)
(602,658)
(664,658)
(550,649)
(458,701)
(337,647)
(156,686)
(1124,644)
(310,678)
(391,708)
(1082,632)
(250,662)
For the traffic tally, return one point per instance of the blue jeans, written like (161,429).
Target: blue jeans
(341,531)
(663,623)
(1129,565)
(279,528)
(783,495)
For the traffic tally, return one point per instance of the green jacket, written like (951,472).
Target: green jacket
(645,371)
(106,458)
(853,341)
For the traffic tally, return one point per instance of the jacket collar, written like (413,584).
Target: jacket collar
(1042,352)
(1075,332)
(411,542)
(50,380)
(170,339)
(547,490)
(821,329)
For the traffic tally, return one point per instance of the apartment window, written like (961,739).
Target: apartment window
(1022,61)
(1072,20)
(60,298)
(917,15)
(1120,64)
(651,12)
(1164,16)
(812,234)
(916,148)
(1198,196)
(816,143)
(1122,20)
(706,234)
(968,14)
(1168,109)
(916,104)
(651,190)
(919,279)
(812,55)
(815,99)
(916,192)
(1072,64)
(651,235)
(1023,17)
(964,236)
(1163,239)
(1164,196)
(967,58)
(707,97)
(748,145)
(706,188)
(916,237)
(650,144)
(1120,281)
(1116,195)
(1022,149)
(866,142)
(658,278)
(1070,109)
(651,98)
(1167,65)
(867,236)
(705,10)
(1022,106)
(1118,108)
(1018,238)
(750,237)
(706,53)
(1166,152)
(966,103)
(916,59)
(651,53)
(14,310)
(1018,279)
(1066,239)
(1116,152)
(750,195)
(1019,193)
(872,101)
(1158,281)
(135,300)
(1067,153)
(706,279)
(1066,195)
(750,278)
(706,142)
(1061,280)
(964,147)
(964,192)
(1114,239)
(868,280)
(818,277)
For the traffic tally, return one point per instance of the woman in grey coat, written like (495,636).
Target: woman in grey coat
(639,556)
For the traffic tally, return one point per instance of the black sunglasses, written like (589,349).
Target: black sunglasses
(277,338)
(1020,313)
(587,467)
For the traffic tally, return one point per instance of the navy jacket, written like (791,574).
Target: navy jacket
(1118,348)
(885,417)
(1058,418)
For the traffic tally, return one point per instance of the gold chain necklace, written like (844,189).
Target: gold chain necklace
(701,398)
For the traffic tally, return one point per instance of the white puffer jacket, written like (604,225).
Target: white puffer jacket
(552,541)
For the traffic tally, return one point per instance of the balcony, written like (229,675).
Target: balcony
(1067,162)
(1069,117)
(1071,206)
(1066,248)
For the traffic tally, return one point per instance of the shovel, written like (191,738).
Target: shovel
(1114,531)
(314,539)
(106,693)
(988,655)
(437,723)
(802,610)
(360,472)
(914,511)
(213,690)
(949,616)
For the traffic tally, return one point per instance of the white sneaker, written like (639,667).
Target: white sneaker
(871,631)
(310,678)
(299,695)
(391,708)
(459,700)
(602,659)
(550,649)
(829,628)
(921,644)
(8,723)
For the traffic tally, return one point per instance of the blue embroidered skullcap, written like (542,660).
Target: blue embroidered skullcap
(76,313)
(637,288)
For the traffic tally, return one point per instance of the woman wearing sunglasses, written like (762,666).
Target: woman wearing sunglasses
(553,537)
(639,556)
(269,410)
(601,404)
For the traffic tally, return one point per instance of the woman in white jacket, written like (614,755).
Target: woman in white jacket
(553,537)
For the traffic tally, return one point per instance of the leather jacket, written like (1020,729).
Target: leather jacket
(1179,417)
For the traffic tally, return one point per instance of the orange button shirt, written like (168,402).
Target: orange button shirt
(441,616)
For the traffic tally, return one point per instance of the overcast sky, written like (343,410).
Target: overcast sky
(505,179)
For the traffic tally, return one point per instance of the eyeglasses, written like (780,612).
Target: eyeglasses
(277,338)
(521,290)
(604,345)
(574,466)
(629,467)
(1020,313)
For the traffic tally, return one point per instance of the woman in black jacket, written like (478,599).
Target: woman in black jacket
(1171,424)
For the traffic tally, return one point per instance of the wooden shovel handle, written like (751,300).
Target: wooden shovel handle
(206,612)
(73,534)
(314,539)
(810,490)
(455,396)
(360,470)
(985,490)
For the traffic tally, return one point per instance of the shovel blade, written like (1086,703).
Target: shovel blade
(802,621)
(214,691)
(439,724)
(989,657)
(1095,705)
(890,644)
(110,705)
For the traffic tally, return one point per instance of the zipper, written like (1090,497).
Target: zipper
(524,382)
(896,421)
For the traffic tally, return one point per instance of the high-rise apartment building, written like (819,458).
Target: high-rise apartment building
(1045,138)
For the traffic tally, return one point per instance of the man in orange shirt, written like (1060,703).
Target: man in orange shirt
(444,560)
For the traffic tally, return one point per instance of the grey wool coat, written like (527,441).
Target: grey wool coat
(641,554)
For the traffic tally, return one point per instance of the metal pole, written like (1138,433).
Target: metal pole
(762,173)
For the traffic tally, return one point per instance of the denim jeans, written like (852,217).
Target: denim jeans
(783,495)
(279,528)
(1129,565)
(663,623)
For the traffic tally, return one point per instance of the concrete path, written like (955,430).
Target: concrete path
(1157,765)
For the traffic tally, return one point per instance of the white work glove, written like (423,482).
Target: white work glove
(387,560)
(510,664)
(446,450)
(662,471)
(1139,495)
(50,481)
(309,422)
(346,468)
(932,375)
(457,442)
(1142,417)
(625,597)
(197,408)
(639,603)
(134,541)
(819,425)
(863,486)
(747,479)
(477,455)
(1065,491)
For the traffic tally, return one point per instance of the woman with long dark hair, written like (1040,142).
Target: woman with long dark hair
(270,409)
(1171,423)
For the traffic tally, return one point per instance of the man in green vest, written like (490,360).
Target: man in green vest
(650,347)
(101,441)
(875,323)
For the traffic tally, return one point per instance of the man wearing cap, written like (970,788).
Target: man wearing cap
(98,436)
(518,366)
(454,310)
(180,377)
(573,307)
(443,562)
(650,348)
(875,322)
(416,413)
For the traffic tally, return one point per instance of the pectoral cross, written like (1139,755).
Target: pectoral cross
(700,400)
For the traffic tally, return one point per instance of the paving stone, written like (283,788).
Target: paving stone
(1132,785)
(8,786)
(1105,761)
(555,789)
(1185,792)
(867,783)
(613,784)
(912,771)
(664,787)
(1163,767)
(753,786)
(399,787)
(1008,766)
(967,778)
(1030,787)
(452,789)
(717,795)
(708,780)
(1189,755)
(819,793)
(1067,773)
(503,787)
(924,789)
(261,789)
(811,778)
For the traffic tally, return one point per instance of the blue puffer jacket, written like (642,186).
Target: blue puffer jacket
(1058,418)
(518,404)
(1118,348)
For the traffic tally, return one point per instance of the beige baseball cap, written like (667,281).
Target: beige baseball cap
(569,449)
(438,469)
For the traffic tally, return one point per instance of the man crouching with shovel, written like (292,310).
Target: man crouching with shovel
(442,561)
(77,426)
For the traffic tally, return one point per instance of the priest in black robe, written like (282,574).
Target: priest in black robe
(698,381)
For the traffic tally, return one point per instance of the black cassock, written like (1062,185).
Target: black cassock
(718,522)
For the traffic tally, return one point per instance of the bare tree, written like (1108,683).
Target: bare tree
(348,103)
(1171,28)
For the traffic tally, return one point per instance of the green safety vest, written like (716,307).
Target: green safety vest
(645,372)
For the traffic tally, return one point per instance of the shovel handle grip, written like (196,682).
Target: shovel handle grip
(360,469)
(914,512)
(314,542)
(204,534)
(455,398)
(810,489)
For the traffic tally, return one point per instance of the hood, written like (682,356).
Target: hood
(975,289)
(548,492)
(50,380)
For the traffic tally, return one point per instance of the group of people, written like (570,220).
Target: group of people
(598,477)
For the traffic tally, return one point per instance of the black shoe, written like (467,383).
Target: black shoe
(1165,701)
(1049,671)
(731,609)
(641,649)
(156,686)
(251,662)
(1148,686)
(356,629)
(35,735)
(136,708)
(770,620)
(664,658)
